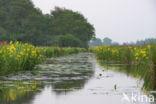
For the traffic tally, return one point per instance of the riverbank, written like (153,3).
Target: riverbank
(17,56)
(143,57)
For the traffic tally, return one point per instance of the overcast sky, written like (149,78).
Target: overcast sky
(121,20)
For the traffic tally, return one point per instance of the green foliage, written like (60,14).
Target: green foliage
(67,40)
(68,22)
(17,56)
(153,53)
(48,52)
(125,54)
(20,21)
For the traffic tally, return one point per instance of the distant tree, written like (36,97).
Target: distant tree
(146,41)
(96,42)
(115,43)
(107,41)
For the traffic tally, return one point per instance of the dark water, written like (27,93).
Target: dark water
(75,79)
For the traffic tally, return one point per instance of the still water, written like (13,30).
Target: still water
(74,79)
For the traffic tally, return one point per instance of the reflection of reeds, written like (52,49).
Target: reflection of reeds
(144,55)
(136,71)
(9,94)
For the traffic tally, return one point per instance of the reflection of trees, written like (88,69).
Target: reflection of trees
(17,92)
(74,82)
(68,85)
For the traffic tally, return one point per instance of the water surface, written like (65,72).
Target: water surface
(74,79)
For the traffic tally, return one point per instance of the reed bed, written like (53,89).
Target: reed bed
(18,56)
(126,54)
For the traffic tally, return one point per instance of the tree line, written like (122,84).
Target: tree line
(108,41)
(21,21)
(100,42)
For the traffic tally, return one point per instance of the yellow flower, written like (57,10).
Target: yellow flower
(11,42)
(21,53)
(143,52)
(33,53)
(144,55)
(137,54)
(26,54)
(137,58)
(17,43)
(149,46)
(4,51)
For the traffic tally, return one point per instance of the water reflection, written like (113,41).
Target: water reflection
(63,75)
(137,71)
(13,92)
(74,79)
(142,72)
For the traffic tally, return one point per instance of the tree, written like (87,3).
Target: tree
(115,43)
(67,40)
(68,22)
(96,42)
(20,20)
(107,41)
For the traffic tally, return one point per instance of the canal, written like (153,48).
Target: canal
(74,79)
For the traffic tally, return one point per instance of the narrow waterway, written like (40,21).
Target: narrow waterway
(74,79)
